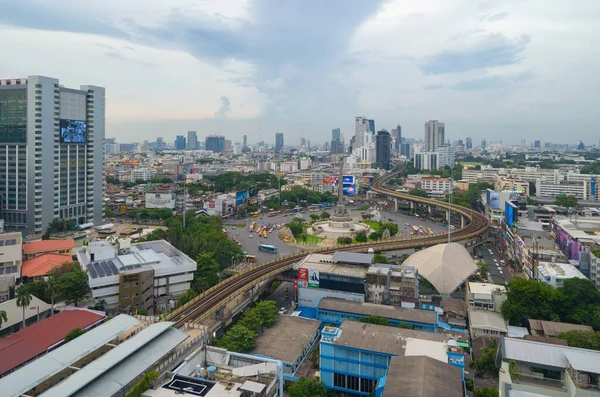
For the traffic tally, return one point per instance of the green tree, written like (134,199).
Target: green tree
(186,297)
(314,217)
(325,215)
(295,228)
(418,192)
(486,392)
(225,252)
(251,320)
(583,339)
(142,311)
(149,378)
(487,361)
(578,302)
(239,339)
(391,226)
(207,272)
(75,333)
(375,320)
(24,298)
(305,387)
(380,259)
(529,299)
(361,237)
(3,317)
(267,311)
(72,287)
(109,212)
(375,236)
(565,201)
(344,240)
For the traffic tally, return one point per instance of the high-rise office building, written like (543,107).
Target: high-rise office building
(336,134)
(446,156)
(372,126)
(245,145)
(483,144)
(180,143)
(523,141)
(469,143)
(111,146)
(397,133)
(537,144)
(405,150)
(278,141)
(51,153)
(383,148)
(215,143)
(337,146)
(435,135)
(361,125)
(227,146)
(192,140)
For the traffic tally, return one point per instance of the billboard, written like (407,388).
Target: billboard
(302,277)
(349,190)
(73,131)
(313,278)
(348,179)
(510,213)
(327,180)
(160,200)
(241,197)
(122,209)
(593,187)
(494,200)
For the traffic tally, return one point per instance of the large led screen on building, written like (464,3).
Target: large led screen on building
(511,213)
(73,131)
(349,190)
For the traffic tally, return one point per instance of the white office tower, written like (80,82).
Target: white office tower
(446,156)
(435,134)
(51,153)
(361,126)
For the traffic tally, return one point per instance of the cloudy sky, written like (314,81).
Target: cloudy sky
(495,69)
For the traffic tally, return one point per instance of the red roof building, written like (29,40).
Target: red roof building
(37,248)
(35,340)
(42,265)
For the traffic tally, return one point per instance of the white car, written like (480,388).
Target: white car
(250,236)
(283,310)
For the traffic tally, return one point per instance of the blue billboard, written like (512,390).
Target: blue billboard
(494,200)
(511,213)
(241,197)
(349,190)
(348,179)
(593,187)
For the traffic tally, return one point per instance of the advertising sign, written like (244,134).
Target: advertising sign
(327,180)
(160,200)
(122,209)
(348,179)
(302,277)
(494,200)
(241,197)
(313,278)
(510,212)
(349,190)
(593,187)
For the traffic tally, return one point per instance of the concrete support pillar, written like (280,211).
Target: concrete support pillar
(396,204)
(429,208)
(462,221)
(412,205)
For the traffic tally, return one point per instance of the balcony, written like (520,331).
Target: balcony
(523,375)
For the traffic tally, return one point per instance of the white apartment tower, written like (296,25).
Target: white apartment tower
(435,135)
(51,153)
(361,126)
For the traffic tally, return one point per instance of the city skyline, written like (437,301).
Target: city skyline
(485,71)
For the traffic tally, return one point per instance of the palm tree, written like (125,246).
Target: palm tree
(3,317)
(23,300)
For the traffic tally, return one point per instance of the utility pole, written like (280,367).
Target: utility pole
(184,197)
(449,204)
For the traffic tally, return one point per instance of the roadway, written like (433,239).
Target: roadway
(498,271)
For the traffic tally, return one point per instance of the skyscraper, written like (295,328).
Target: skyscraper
(192,140)
(278,141)
(469,143)
(337,146)
(336,134)
(483,144)
(383,150)
(215,143)
(537,144)
(405,150)
(245,145)
(361,125)
(180,143)
(397,133)
(51,153)
(372,126)
(435,135)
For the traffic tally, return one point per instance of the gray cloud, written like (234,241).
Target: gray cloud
(492,82)
(497,17)
(495,50)
(224,108)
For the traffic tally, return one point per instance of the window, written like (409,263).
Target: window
(339,380)
(136,294)
(126,285)
(136,283)
(366,385)
(353,382)
(126,296)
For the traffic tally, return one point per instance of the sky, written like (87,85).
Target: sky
(489,69)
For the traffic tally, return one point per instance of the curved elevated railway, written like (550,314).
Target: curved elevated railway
(209,301)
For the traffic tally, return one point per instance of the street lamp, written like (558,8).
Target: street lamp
(449,204)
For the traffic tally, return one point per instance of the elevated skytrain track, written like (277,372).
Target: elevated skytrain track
(216,297)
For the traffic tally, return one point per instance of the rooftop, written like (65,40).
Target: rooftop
(352,257)
(122,364)
(323,264)
(286,339)
(548,270)
(393,270)
(36,339)
(43,264)
(550,355)
(422,376)
(380,338)
(37,371)
(457,306)
(484,319)
(14,313)
(553,328)
(486,289)
(385,311)
(158,255)
(48,245)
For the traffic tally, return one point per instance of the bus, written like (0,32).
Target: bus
(267,248)
(273,213)
(251,258)
(251,228)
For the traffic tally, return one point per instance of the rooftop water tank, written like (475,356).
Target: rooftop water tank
(211,372)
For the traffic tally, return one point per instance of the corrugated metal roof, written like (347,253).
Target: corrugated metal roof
(371,309)
(422,377)
(14,313)
(31,375)
(484,319)
(534,352)
(115,369)
(582,360)
(352,257)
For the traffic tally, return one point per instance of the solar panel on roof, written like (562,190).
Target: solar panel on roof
(99,269)
(113,267)
(92,271)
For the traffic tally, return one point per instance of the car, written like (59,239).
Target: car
(282,310)
(250,236)
(390,219)
(232,227)
(285,215)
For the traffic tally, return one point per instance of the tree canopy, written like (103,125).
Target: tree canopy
(75,333)
(375,320)
(582,339)
(239,339)
(565,201)
(487,361)
(418,192)
(305,387)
